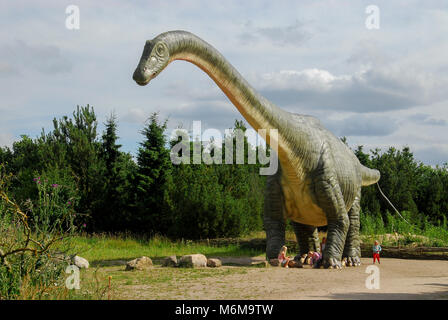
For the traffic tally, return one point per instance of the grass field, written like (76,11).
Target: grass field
(96,248)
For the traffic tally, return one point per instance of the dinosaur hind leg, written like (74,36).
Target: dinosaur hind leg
(274,221)
(329,197)
(352,249)
(307,238)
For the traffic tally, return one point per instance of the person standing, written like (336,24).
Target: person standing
(376,252)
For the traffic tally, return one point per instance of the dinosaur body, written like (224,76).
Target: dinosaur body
(319,178)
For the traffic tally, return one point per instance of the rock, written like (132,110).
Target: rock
(193,261)
(80,262)
(214,263)
(170,261)
(139,264)
(274,262)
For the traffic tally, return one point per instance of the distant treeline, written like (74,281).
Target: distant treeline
(113,192)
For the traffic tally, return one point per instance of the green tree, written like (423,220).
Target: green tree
(153,179)
(78,137)
(113,207)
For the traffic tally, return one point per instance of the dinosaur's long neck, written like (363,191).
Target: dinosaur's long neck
(258,111)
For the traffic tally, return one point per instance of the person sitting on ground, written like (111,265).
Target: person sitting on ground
(314,258)
(376,252)
(303,258)
(282,258)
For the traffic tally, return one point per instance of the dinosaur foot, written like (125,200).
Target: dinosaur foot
(331,263)
(352,261)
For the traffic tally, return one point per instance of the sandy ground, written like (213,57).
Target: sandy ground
(399,279)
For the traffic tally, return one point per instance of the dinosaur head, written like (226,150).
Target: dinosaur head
(155,58)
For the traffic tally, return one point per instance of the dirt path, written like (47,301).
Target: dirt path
(399,279)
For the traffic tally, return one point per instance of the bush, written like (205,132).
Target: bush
(29,266)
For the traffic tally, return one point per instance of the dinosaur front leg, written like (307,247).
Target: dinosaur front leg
(307,238)
(329,197)
(274,221)
(352,249)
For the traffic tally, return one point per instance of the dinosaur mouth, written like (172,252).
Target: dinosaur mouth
(142,83)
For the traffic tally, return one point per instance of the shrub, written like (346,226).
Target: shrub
(29,266)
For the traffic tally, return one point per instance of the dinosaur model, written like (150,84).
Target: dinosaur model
(319,179)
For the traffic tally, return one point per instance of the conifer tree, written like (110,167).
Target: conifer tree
(153,179)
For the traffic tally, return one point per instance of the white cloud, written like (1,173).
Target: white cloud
(22,57)
(6,139)
(135,115)
(283,36)
(370,89)
(308,79)
(363,125)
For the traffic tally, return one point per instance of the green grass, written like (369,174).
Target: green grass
(420,233)
(106,247)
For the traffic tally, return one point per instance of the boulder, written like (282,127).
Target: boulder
(170,261)
(193,261)
(214,263)
(139,264)
(80,262)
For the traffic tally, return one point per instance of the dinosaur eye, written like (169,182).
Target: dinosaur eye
(160,50)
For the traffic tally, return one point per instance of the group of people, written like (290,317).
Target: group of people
(314,258)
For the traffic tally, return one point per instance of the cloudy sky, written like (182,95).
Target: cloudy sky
(378,87)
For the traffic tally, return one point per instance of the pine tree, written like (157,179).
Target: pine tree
(153,179)
(108,212)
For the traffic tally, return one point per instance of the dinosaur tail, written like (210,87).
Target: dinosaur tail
(369,176)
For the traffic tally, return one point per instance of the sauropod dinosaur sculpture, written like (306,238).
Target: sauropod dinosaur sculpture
(319,178)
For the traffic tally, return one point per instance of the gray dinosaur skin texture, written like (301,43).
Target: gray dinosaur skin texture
(319,178)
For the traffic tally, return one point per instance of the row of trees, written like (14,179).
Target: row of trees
(421,191)
(112,191)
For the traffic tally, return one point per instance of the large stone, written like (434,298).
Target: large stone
(139,264)
(80,262)
(170,261)
(214,263)
(193,261)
